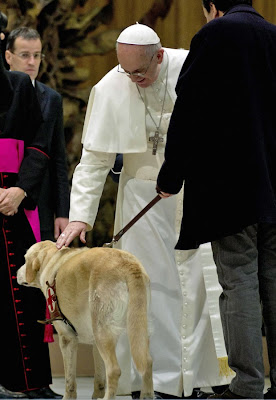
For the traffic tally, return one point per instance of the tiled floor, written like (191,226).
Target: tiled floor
(85,387)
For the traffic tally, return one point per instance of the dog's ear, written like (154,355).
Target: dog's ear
(32,267)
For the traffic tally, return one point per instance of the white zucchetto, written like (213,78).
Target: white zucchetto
(138,34)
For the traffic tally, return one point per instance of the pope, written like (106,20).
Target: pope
(129,112)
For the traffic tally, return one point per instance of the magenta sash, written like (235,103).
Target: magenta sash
(11,156)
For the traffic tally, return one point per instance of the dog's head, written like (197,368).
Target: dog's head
(37,255)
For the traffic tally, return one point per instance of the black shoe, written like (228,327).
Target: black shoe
(270,394)
(201,395)
(197,394)
(43,393)
(220,389)
(226,395)
(7,394)
(157,395)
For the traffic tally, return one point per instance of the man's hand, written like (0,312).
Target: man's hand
(164,195)
(10,200)
(60,225)
(73,229)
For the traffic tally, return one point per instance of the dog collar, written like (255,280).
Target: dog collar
(53,307)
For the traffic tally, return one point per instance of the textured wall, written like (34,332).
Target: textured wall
(184,19)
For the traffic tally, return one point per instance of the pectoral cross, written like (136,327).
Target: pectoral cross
(155,139)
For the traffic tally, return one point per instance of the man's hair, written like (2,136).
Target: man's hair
(224,5)
(23,32)
(151,49)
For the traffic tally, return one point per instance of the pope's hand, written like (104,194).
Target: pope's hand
(60,225)
(72,230)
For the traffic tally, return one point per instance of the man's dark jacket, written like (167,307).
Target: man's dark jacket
(54,195)
(222,135)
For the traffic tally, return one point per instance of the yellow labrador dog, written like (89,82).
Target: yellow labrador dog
(101,292)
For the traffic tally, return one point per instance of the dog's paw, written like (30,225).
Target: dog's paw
(70,396)
(98,394)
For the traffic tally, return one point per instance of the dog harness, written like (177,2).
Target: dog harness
(54,309)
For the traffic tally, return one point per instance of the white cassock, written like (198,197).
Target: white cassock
(184,347)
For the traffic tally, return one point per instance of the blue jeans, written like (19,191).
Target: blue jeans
(246,265)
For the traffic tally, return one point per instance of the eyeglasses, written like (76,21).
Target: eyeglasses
(139,74)
(26,55)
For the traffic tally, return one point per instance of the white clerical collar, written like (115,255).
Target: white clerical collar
(33,82)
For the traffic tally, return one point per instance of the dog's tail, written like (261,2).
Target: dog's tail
(137,318)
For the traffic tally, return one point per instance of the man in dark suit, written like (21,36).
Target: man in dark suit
(222,143)
(24,53)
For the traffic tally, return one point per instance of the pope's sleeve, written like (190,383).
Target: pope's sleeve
(87,186)
(88,113)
